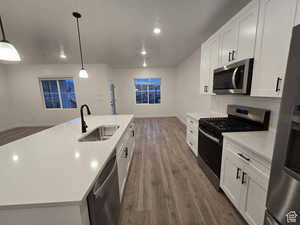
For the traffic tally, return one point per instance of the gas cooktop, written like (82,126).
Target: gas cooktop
(229,124)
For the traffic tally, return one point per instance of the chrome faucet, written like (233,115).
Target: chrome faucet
(83,123)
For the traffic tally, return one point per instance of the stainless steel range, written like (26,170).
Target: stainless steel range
(210,140)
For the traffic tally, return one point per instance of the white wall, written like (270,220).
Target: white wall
(125,92)
(27,101)
(6,119)
(190,100)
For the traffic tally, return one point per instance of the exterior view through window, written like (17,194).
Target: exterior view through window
(147,90)
(59,93)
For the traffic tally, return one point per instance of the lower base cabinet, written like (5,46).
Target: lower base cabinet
(245,182)
(124,156)
(192,134)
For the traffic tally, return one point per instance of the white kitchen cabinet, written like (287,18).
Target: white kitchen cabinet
(276,19)
(232,168)
(125,151)
(238,35)
(297,18)
(204,69)
(244,179)
(213,47)
(246,31)
(254,195)
(228,42)
(192,134)
(209,62)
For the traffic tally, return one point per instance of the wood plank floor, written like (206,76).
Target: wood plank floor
(18,133)
(165,184)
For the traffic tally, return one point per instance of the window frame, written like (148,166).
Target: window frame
(40,79)
(160,91)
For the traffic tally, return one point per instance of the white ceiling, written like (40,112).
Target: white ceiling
(113,31)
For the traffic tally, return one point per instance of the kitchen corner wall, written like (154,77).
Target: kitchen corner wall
(125,91)
(27,108)
(188,98)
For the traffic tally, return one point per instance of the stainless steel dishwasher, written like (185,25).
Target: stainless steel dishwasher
(104,199)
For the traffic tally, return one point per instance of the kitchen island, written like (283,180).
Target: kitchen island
(45,178)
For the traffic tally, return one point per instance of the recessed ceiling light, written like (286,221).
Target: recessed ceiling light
(156,30)
(143,52)
(63,56)
(144,64)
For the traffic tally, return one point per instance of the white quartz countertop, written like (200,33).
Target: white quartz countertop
(197,116)
(52,167)
(260,143)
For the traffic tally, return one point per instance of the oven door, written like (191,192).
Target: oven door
(233,79)
(210,151)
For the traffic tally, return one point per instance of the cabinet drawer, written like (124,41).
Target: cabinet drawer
(192,123)
(245,153)
(193,143)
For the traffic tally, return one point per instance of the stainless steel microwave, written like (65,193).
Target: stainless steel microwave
(235,78)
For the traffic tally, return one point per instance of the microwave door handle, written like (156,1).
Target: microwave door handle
(233,78)
(209,136)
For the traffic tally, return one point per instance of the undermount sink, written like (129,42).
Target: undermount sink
(101,133)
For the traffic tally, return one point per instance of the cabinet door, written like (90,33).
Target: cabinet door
(228,38)
(213,61)
(246,28)
(276,19)
(231,173)
(204,69)
(254,194)
(122,163)
(297,18)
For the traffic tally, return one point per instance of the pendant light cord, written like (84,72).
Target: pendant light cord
(79,39)
(2,30)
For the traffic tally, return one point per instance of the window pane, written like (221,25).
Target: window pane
(138,87)
(157,97)
(151,97)
(147,90)
(67,91)
(50,91)
(138,97)
(144,97)
(151,87)
(157,87)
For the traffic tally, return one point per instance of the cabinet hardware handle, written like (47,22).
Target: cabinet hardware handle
(229,56)
(277,84)
(238,173)
(191,131)
(232,55)
(244,157)
(243,178)
(132,133)
(126,152)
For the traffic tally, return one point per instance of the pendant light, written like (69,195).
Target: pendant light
(82,73)
(7,51)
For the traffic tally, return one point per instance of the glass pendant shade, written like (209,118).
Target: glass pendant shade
(8,52)
(83,73)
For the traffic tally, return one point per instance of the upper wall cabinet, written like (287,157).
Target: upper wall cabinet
(297,19)
(276,20)
(209,62)
(204,69)
(237,37)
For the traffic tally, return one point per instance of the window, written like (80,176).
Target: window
(147,90)
(58,93)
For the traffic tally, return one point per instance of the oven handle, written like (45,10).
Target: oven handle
(209,136)
(233,78)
